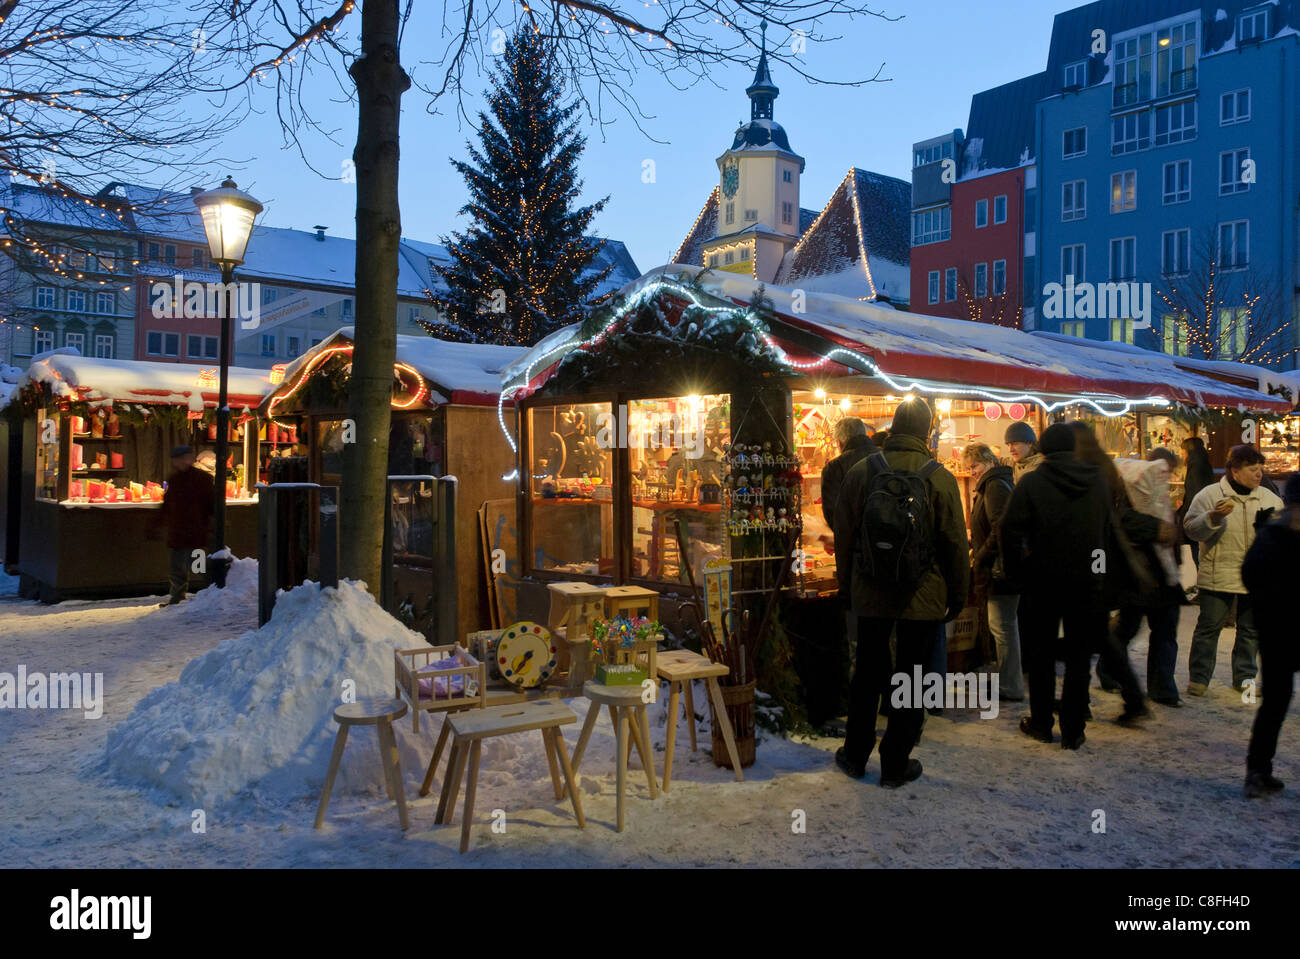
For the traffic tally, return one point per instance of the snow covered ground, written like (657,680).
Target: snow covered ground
(1171,793)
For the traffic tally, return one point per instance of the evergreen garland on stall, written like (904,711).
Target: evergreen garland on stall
(519,271)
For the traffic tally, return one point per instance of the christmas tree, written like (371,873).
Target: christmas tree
(520,271)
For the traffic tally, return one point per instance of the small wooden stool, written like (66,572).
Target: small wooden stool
(628,714)
(470,727)
(564,596)
(679,667)
(369,712)
(630,600)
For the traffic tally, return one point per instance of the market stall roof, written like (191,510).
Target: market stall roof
(910,350)
(91,379)
(467,373)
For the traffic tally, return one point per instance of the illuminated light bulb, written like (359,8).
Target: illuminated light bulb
(819,393)
(844,403)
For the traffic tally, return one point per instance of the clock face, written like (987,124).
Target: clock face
(730,179)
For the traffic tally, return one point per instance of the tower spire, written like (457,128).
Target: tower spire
(762,91)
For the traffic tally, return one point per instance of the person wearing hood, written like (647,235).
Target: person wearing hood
(1270,573)
(1022,444)
(851,434)
(999,597)
(916,615)
(1055,538)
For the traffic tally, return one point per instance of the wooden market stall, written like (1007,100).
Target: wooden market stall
(445,422)
(693,420)
(96,442)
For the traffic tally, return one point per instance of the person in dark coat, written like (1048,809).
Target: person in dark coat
(187,513)
(1270,573)
(855,445)
(1055,540)
(994,592)
(1197,475)
(882,609)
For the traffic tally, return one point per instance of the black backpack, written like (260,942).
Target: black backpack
(896,534)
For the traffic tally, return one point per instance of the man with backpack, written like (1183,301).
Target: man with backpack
(900,542)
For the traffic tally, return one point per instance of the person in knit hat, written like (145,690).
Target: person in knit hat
(882,608)
(1022,444)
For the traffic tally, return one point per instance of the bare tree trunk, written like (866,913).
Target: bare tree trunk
(381,81)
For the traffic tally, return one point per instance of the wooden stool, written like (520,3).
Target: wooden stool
(369,712)
(630,600)
(625,710)
(470,727)
(679,667)
(564,596)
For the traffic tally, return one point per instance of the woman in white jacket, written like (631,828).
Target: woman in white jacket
(1222,518)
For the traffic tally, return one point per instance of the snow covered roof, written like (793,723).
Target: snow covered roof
(88,378)
(860,243)
(1001,128)
(468,373)
(909,348)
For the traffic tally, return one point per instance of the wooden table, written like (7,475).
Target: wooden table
(627,712)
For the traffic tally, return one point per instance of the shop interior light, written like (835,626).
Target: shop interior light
(844,403)
(819,393)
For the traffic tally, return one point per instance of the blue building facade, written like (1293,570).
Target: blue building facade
(1168,150)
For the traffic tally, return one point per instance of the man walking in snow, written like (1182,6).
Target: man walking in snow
(187,513)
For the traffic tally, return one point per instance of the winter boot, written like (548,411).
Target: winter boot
(1036,732)
(1262,784)
(893,781)
(855,770)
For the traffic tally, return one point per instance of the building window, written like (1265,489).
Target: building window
(347,307)
(1000,209)
(787,212)
(1178,181)
(107,261)
(1074,143)
(103,346)
(44,341)
(950,284)
(1234,325)
(1232,165)
(269,294)
(1074,200)
(1234,245)
(1132,70)
(1076,74)
(1073,328)
(1173,331)
(731,213)
(201,347)
(77,300)
(106,303)
(981,214)
(713,259)
(744,254)
(293,347)
(268,344)
(1130,133)
(1234,107)
(729,257)
(198,258)
(999,277)
(1072,263)
(1176,59)
(751,216)
(1176,123)
(1123,191)
(45,297)
(1176,252)
(1123,259)
(1253,26)
(933,153)
(787,176)
(933,278)
(981,280)
(158,343)
(1121,331)
(932,226)
(169,254)
(75,340)
(155,252)
(77,259)
(316,341)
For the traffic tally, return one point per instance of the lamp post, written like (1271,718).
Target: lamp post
(228,216)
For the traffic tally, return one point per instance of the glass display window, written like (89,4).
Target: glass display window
(47,454)
(1119,436)
(677,463)
(1279,441)
(571,487)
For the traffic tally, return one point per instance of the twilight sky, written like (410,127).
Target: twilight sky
(936,57)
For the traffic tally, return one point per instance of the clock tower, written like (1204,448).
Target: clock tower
(758,194)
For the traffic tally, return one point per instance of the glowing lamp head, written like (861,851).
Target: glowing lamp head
(819,393)
(228,214)
(844,403)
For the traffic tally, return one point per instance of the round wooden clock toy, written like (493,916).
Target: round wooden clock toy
(526,655)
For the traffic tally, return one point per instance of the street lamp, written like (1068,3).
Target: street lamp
(228,216)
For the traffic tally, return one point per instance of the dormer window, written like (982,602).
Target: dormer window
(1252,26)
(1076,75)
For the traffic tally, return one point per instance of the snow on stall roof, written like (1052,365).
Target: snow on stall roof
(135,381)
(939,350)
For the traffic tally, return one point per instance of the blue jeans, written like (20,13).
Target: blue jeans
(1205,638)
(1005,627)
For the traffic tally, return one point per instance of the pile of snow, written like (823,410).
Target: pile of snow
(213,605)
(253,718)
